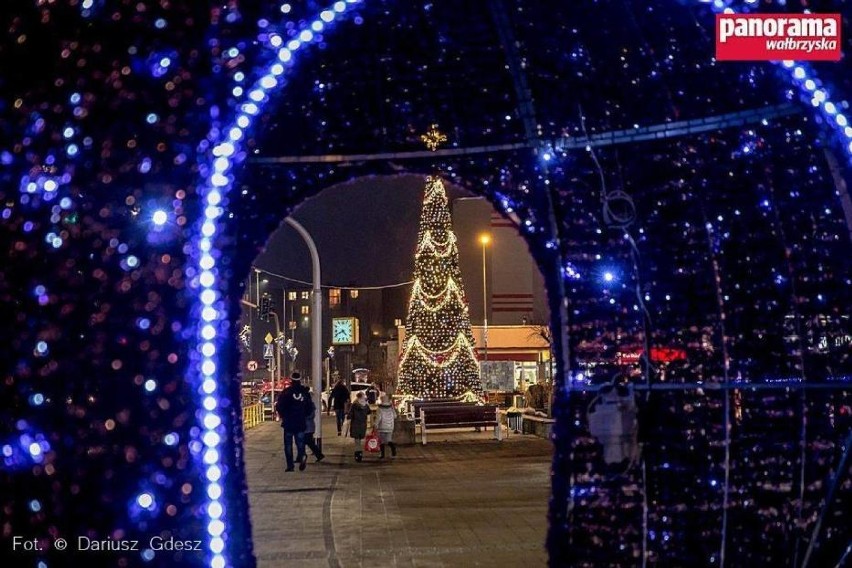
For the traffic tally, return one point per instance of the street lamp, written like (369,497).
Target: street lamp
(484,239)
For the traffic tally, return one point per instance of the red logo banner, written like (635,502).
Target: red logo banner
(776,37)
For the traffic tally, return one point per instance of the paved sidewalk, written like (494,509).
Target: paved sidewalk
(462,500)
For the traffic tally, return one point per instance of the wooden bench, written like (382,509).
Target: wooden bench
(416,405)
(463,415)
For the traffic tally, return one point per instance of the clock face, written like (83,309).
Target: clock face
(343,331)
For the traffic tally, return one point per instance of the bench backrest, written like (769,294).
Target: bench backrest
(416,405)
(430,403)
(455,414)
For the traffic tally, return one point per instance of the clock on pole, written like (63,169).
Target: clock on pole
(344,331)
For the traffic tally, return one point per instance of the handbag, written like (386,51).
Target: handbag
(372,443)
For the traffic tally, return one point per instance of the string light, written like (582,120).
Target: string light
(210,310)
(438,358)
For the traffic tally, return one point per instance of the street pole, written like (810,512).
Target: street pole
(277,370)
(283,330)
(484,239)
(316,325)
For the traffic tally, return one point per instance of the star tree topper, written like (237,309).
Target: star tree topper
(433,138)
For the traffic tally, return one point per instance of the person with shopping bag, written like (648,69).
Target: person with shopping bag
(386,416)
(358,413)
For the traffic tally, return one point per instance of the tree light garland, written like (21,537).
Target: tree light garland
(437,358)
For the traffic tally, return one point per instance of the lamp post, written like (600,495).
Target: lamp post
(316,325)
(484,239)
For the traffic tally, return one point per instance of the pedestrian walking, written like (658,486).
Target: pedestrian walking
(386,417)
(310,442)
(294,406)
(339,400)
(358,413)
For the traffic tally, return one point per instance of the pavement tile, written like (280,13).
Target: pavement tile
(461,500)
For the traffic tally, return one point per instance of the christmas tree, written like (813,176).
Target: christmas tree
(437,357)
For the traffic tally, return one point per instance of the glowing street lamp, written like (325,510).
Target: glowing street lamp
(484,239)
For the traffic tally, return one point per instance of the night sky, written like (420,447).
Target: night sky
(365,232)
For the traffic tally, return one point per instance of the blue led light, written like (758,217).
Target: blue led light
(145,500)
(160,217)
(227,141)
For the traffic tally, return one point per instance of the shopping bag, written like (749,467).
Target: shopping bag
(372,443)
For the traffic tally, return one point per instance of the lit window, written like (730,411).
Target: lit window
(292,295)
(306,295)
(397,322)
(306,310)
(353,294)
(334,297)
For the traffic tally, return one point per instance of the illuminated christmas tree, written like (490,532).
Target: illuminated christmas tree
(437,357)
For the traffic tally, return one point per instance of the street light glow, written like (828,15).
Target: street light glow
(485,239)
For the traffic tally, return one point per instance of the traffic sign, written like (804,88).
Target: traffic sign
(267,351)
(251,365)
(268,339)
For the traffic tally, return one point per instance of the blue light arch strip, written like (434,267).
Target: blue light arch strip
(211,307)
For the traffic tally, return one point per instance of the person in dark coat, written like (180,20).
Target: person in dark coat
(294,406)
(339,400)
(358,413)
(310,443)
(373,394)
